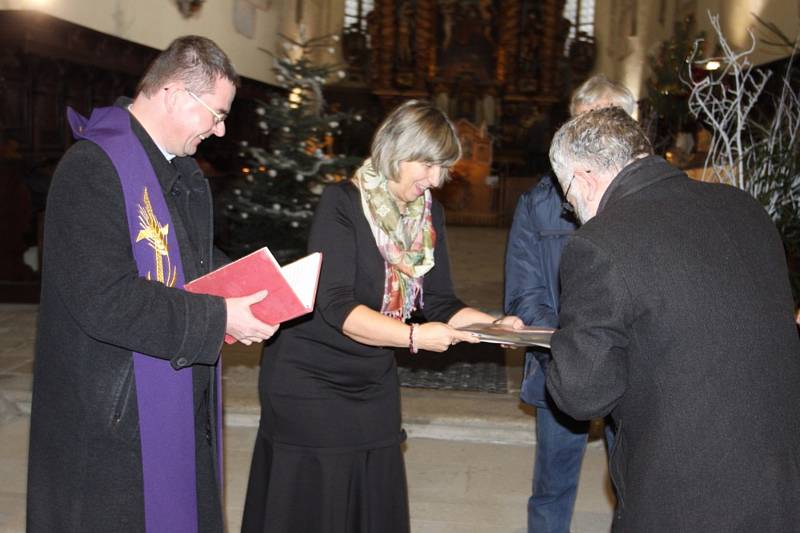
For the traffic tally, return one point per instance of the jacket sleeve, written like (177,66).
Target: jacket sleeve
(88,257)
(588,372)
(526,293)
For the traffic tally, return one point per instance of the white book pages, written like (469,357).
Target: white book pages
(302,275)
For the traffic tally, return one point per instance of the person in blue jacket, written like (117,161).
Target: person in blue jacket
(542,223)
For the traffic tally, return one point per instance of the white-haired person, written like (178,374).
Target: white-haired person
(538,234)
(697,364)
(328,452)
(599,91)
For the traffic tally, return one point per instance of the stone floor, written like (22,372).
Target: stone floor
(468,456)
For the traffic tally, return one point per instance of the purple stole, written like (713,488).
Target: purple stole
(165,395)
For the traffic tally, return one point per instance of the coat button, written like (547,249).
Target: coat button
(182,362)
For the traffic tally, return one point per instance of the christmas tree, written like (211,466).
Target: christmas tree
(665,109)
(273,200)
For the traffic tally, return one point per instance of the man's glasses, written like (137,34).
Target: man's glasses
(218,118)
(565,205)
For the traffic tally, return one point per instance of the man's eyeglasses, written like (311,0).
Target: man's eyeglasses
(217,116)
(565,205)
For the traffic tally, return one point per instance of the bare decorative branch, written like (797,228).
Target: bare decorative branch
(724,99)
(759,154)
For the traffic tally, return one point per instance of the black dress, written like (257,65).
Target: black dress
(327,456)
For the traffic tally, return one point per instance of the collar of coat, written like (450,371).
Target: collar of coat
(166,172)
(636,176)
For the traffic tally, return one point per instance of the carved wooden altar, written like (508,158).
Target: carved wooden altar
(473,52)
(469,189)
(499,63)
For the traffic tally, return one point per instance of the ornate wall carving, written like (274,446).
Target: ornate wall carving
(417,44)
(501,65)
(485,61)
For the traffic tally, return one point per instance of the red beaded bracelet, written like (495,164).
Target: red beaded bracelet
(411,346)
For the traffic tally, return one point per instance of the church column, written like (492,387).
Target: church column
(425,42)
(508,44)
(553,24)
(386,14)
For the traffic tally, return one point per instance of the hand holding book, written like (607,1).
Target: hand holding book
(291,289)
(242,325)
(438,336)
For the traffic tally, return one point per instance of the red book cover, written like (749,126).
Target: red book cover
(292,288)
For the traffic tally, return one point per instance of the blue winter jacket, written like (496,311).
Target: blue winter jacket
(538,234)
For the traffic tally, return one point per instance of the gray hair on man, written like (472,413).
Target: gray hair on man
(598,91)
(605,139)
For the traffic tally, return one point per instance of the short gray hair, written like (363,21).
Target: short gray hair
(599,87)
(195,61)
(415,131)
(605,139)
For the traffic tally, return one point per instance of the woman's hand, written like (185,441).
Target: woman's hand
(438,336)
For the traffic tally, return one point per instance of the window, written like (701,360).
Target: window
(581,14)
(355,14)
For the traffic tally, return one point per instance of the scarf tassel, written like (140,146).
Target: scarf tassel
(403,301)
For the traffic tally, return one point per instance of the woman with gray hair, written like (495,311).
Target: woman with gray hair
(327,456)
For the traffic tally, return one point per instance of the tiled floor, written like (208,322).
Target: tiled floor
(454,486)
(468,456)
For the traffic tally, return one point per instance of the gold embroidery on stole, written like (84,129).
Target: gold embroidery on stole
(156,236)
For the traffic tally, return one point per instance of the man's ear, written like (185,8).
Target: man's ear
(591,183)
(170,94)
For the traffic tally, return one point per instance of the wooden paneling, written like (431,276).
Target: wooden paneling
(46,65)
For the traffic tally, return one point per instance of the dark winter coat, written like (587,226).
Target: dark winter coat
(85,456)
(537,237)
(676,317)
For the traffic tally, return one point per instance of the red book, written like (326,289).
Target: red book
(292,288)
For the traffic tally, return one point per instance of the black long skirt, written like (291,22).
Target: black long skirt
(294,489)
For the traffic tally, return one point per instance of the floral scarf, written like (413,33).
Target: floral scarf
(406,242)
